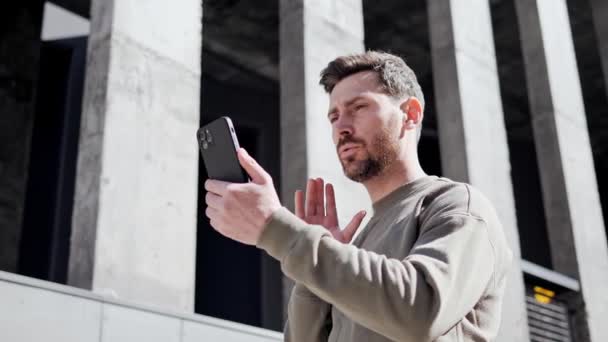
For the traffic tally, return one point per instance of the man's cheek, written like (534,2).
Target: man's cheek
(334,136)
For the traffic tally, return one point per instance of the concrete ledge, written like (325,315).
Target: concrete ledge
(550,275)
(36,310)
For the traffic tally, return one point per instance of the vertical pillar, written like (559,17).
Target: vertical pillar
(134,219)
(20,26)
(572,205)
(313,33)
(472,134)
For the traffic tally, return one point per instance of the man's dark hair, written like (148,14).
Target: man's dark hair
(396,77)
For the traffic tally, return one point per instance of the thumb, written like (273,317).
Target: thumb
(256,172)
(350,230)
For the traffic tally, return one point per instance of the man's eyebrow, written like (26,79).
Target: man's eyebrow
(353,100)
(346,104)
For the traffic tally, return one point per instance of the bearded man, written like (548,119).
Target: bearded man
(431,263)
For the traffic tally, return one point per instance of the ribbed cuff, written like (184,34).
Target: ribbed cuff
(283,231)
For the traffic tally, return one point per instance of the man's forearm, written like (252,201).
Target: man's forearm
(401,299)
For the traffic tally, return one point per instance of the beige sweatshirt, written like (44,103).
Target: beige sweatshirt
(429,266)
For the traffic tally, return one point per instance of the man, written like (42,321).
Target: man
(432,261)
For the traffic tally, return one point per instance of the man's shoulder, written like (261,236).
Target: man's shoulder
(446,196)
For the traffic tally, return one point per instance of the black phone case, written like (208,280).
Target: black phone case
(218,144)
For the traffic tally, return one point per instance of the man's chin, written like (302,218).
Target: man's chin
(353,171)
(357,177)
(348,165)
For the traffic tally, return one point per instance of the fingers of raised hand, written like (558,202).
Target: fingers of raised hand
(320,196)
(330,202)
(311,206)
(318,205)
(350,230)
(299,204)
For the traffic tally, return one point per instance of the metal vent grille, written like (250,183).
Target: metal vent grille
(548,321)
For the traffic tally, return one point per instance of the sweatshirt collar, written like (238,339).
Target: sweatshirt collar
(400,193)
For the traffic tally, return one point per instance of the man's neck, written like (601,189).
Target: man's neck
(397,175)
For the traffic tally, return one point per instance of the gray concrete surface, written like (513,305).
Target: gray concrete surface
(572,207)
(134,220)
(313,33)
(34,310)
(472,133)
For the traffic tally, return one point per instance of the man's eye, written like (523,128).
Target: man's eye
(332,119)
(360,106)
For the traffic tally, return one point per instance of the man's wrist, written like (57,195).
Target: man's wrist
(266,219)
(282,232)
(277,224)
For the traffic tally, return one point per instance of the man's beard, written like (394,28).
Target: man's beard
(383,153)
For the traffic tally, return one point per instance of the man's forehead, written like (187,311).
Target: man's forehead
(355,84)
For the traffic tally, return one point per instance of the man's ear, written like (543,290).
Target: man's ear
(412,110)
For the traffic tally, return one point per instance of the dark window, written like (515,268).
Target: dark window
(233,281)
(45,239)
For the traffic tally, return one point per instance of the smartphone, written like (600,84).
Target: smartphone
(219,145)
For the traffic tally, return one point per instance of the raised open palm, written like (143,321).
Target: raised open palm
(319,207)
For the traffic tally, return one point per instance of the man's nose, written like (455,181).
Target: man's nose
(344,126)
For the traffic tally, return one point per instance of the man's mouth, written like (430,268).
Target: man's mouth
(348,150)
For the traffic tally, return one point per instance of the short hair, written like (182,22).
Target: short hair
(396,77)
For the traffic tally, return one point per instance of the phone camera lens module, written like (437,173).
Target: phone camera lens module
(201,136)
(209,137)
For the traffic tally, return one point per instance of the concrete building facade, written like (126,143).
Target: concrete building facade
(101,189)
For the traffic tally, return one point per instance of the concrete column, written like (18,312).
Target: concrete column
(472,134)
(134,220)
(313,33)
(20,26)
(572,205)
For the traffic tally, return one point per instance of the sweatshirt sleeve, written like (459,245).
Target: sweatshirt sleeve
(308,317)
(418,298)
